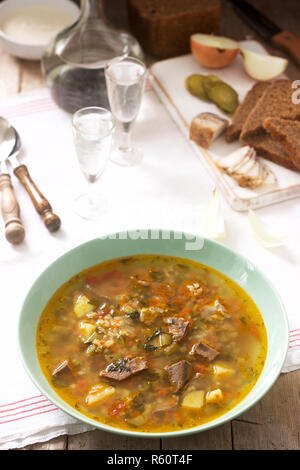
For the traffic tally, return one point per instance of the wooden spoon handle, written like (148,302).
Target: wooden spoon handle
(289,43)
(42,206)
(14,230)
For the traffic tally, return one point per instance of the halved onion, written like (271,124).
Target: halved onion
(264,235)
(213,51)
(263,66)
(213,221)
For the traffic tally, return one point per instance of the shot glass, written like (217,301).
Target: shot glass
(93,129)
(125,77)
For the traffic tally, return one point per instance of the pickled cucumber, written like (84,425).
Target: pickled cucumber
(194,84)
(224,96)
(208,82)
(212,88)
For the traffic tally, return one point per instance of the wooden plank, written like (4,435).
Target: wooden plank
(100,440)
(9,75)
(58,443)
(31,77)
(274,422)
(18,75)
(216,439)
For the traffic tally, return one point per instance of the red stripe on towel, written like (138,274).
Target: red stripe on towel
(20,401)
(22,406)
(29,416)
(20,113)
(27,411)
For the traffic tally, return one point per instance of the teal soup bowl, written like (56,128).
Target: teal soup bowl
(171,243)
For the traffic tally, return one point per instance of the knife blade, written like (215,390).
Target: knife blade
(269,31)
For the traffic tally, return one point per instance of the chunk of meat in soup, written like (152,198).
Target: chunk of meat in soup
(204,351)
(179,374)
(63,374)
(62,369)
(124,368)
(178,327)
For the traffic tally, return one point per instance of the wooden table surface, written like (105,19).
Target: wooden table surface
(274,422)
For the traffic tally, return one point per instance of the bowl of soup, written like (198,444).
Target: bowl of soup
(153,333)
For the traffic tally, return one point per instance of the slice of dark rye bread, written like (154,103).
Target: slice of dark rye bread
(276,101)
(243,110)
(287,134)
(267,147)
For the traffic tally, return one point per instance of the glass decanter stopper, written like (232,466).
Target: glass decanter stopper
(74,61)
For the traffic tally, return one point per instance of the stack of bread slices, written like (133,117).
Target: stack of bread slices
(268,120)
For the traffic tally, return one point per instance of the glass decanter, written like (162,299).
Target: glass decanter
(74,61)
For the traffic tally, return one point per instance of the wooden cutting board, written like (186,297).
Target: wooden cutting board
(168,77)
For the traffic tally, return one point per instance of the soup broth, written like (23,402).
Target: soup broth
(151,343)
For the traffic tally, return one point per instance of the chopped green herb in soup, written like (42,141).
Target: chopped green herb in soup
(151,343)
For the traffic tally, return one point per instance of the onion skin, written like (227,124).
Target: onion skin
(212,57)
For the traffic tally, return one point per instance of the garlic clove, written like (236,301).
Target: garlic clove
(264,235)
(213,221)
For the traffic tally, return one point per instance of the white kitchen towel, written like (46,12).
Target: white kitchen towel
(168,190)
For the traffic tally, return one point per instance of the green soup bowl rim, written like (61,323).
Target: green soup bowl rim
(240,408)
